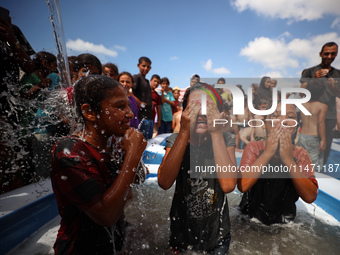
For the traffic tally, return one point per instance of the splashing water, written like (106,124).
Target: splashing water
(58,33)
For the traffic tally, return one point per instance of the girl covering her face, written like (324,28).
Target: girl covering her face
(199,201)
(270,196)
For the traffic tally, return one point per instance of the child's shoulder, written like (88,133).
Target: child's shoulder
(314,105)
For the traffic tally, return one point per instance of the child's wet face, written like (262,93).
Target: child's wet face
(115,115)
(144,68)
(154,83)
(126,81)
(201,126)
(110,73)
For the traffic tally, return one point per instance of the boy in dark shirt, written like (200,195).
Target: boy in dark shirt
(142,93)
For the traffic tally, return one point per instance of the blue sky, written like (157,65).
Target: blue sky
(220,38)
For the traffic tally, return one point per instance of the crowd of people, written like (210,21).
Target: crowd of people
(96,162)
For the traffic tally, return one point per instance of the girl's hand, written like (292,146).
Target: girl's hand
(189,116)
(272,141)
(134,142)
(212,114)
(286,147)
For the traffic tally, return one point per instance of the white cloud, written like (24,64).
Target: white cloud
(272,53)
(293,10)
(174,58)
(119,47)
(221,70)
(82,46)
(279,54)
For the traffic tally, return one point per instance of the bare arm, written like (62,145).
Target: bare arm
(248,179)
(321,126)
(173,124)
(252,134)
(244,134)
(169,168)
(159,114)
(107,211)
(304,186)
(223,156)
(172,160)
(31,93)
(164,100)
(237,136)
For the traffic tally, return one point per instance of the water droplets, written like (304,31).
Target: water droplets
(67,151)
(145,246)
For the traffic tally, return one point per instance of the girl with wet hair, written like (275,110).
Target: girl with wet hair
(200,201)
(270,196)
(92,173)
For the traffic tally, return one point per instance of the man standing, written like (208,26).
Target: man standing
(331,76)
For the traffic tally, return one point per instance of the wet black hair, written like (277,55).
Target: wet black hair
(93,90)
(145,59)
(200,85)
(329,44)
(316,88)
(43,56)
(72,63)
(88,59)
